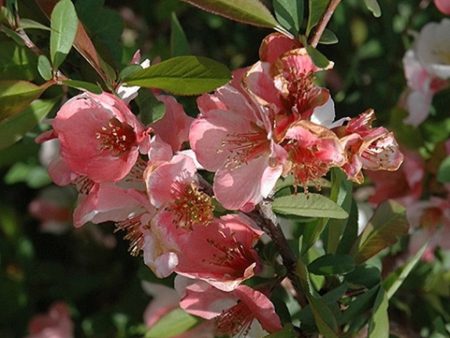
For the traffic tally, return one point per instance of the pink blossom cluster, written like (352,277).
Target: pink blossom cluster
(270,121)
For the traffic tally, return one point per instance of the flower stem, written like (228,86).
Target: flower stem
(268,221)
(323,22)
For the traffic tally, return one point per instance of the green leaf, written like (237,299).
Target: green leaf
(252,12)
(289,14)
(287,332)
(350,233)
(15,96)
(324,317)
(364,275)
(45,67)
(374,7)
(332,265)
(443,174)
(316,10)
(318,58)
(83,85)
(379,321)
(16,62)
(328,38)
(359,305)
(13,129)
(396,278)
(35,176)
(63,23)
(31,24)
(384,229)
(172,324)
(179,44)
(308,205)
(182,75)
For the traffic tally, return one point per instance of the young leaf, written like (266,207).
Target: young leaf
(13,129)
(332,265)
(182,75)
(443,174)
(328,37)
(374,7)
(379,321)
(252,12)
(318,58)
(83,85)
(308,205)
(179,44)
(15,96)
(63,25)
(45,67)
(289,14)
(316,10)
(384,229)
(31,24)
(172,324)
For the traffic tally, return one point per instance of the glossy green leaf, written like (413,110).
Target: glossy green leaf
(63,23)
(287,332)
(316,10)
(328,38)
(16,62)
(330,264)
(374,7)
(308,205)
(289,14)
(379,321)
(396,278)
(179,44)
(252,12)
(13,129)
(364,275)
(45,67)
(83,85)
(172,324)
(387,225)
(318,58)
(443,174)
(182,75)
(15,96)
(31,24)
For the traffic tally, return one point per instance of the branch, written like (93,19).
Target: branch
(267,220)
(323,22)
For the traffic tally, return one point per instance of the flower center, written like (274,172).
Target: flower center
(133,228)
(191,206)
(116,137)
(243,147)
(235,321)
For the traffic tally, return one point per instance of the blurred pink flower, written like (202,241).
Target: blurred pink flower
(443,6)
(55,324)
(236,313)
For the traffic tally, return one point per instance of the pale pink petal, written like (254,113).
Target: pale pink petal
(275,45)
(418,106)
(443,6)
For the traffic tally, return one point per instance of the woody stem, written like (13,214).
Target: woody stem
(323,22)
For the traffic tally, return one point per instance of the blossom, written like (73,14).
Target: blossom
(220,253)
(404,185)
(236,313)
(99,136)
(443,6)
(368,148)
(232,137)
(55,324)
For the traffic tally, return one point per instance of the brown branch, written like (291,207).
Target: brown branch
(323,22)
(265,217)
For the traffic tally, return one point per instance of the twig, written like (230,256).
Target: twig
(323,22)
(267,220)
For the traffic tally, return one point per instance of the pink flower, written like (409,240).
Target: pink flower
(403,185)
(232,138)
(223,255)
(368,148)
(99,136)
(275,45)
(236,313)
(312,151)
(55,324)
(173,187)
(443,6)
